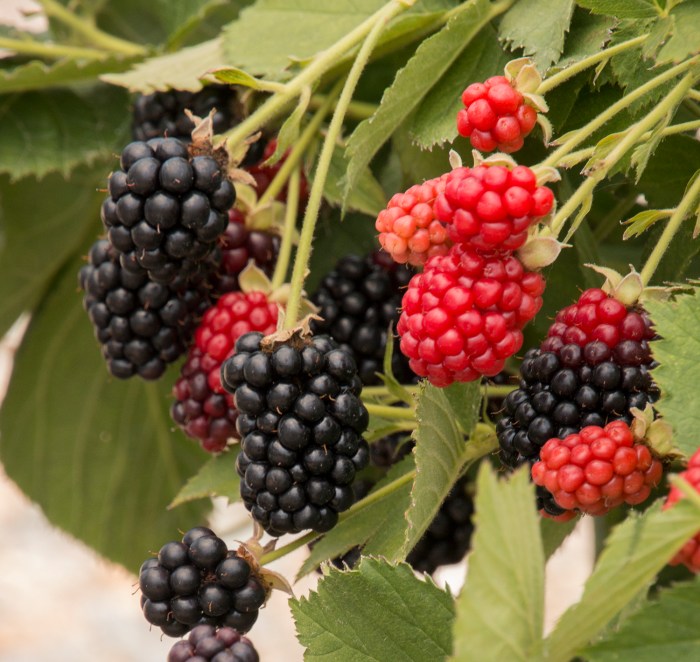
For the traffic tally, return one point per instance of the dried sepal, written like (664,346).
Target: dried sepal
(523,75)
(546,174)
(499,159)
(546,127)
(536,101)
(656,433)
(540,252)
(455,160)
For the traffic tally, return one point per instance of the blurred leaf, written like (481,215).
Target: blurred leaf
(554,533)
(500,610)
(682,38)
(539,28)
(664,629)
(634,552)
(45,132)
(96,454)
(678,352)
(38,233)
(665,178)
(377,612)
(622,8)
(217,477)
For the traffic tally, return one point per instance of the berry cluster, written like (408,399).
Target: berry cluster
(163,113)
(689,554)
(358,301)
(199,582)
(463,316)
(301,420)
(495,116)
(166,210)
(202,408)
(491,208)
(141,325)
(206,642)
(597,469)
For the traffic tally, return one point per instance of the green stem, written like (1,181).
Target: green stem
(578,136)
(576,68)
(686,206)
(379,391)
(308,76)
(324,160)
(50,51)
(290,217)
(357,110)
(392,413)
(600,169)
(88,30)
(694,95)
(289,547)
(297,152)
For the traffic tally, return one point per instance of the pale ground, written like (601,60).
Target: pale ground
(60,602)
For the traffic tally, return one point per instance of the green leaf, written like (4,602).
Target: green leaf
(464,401)
(367,195)
(434,121)
(588,35)
(665,178)
(45,132)
(539,28)
(38,233)
(378,612)
(678,352)
(290,31)
(289,132)
(500,611)
(96,454)
(684,39)
(234,76)
(181,71)
(664,629)
(217,477)
(641,222)
(38,75)
(432,59)
(380,523)
(634,552)
(621,8)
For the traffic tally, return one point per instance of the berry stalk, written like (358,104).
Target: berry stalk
(388,412)
(290,217)
(50,51)
(685,207)
(380,21)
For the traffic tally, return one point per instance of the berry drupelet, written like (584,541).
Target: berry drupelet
(165,209)
(359,302)
(198,581)
(301,422)
(205,642)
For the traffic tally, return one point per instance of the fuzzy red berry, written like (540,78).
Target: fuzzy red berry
(263,175)
(689,554)
(462,317)
(202,408)
(604,327)
(597,469)
(492,207)
(495,116)
(408,229)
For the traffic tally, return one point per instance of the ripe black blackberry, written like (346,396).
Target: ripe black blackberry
(300,418)
(200,582)
(358,300)
(141,325)
(165,209)
(206,642)
(562,392)
(238,245)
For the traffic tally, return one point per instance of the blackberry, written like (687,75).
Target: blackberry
(163,113)
(206,642)
(199,582)
(165,210)
(359,301)
(564,391)
(238,245)
(301,422)
(141,325)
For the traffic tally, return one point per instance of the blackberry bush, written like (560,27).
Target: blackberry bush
(301,422)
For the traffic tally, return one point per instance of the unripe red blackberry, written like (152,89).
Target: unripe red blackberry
(495,116)
(202,408)
(165,209)
(200,582)
(205,642)
(689,554)
(301,421)
(163,113)
(490,207)
(141,325)
(359,302)
(408,228)
(264,174)
(462,317)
